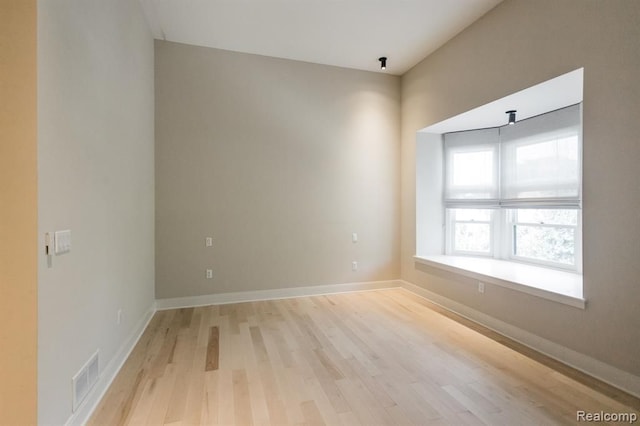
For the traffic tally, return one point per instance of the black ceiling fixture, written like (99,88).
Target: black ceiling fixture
(512,116)
(383,62)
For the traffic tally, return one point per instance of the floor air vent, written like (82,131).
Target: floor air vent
(85,379)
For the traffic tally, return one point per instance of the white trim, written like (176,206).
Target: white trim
(280,293)
(555,285)
(90,403)
(615,377)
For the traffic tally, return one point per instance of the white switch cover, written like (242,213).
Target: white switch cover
(208,242)
(209,274)
(62,241)
(354,237)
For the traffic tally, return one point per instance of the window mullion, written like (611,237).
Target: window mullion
(502,234)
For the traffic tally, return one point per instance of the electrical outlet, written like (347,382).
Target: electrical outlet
(480,287)
(209,273)
(208,241)
(354,266)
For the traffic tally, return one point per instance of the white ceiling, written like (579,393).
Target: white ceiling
(345,33)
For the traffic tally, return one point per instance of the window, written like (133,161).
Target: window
(546,236)
(471,231)
(514,192)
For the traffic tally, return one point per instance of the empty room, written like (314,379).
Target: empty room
(319,212)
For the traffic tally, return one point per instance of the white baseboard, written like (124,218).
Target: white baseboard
(615,377)
(109,373)
(280,293)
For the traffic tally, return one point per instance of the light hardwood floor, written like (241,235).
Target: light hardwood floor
(377,357)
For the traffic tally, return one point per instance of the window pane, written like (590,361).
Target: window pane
(547,243)
(471,164)
(473,168)
(546,169)
(553,161)
(547,216)
(540,156)
(474,237)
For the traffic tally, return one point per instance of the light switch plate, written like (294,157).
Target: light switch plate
(62,241)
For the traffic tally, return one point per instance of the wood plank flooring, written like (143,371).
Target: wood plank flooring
(378,357)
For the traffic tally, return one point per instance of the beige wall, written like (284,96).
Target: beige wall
(96,178)
(516,45)
(280,162)
(18,212)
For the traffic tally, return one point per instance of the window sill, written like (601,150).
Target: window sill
(558,286)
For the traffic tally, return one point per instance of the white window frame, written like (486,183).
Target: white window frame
(509,243)
(501,245)
(493,223)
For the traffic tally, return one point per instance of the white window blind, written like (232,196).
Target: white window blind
(540,160)
(471,164)
(534,163)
